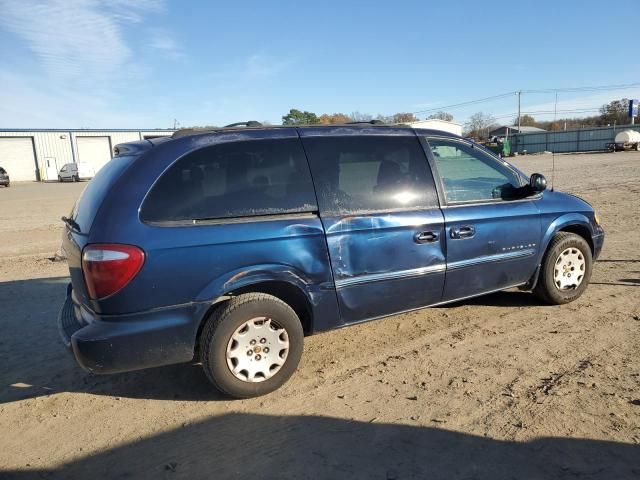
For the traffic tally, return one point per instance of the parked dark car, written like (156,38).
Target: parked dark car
(4,178)
(228,246)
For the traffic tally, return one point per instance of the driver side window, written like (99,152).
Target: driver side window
(469,174)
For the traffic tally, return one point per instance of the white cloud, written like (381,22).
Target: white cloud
(82,59)
(252,68)
(75,40)
(161,39)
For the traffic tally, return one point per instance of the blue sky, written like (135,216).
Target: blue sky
(144,63)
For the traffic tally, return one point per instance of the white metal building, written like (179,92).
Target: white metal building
(32,155)
(437,124)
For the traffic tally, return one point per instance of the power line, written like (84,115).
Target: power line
(573,110)
(548,112)
(471,102)
(598,88)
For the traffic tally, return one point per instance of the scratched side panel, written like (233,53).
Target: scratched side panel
(379,268)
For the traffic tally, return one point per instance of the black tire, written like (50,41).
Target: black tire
(546,289)
(59,178)
(222,324)
(75,178)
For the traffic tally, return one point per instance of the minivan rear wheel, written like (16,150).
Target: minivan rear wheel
(251,345)
(566,269)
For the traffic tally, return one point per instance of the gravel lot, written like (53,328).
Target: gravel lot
(497,387)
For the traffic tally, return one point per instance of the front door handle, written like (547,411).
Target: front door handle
(426,237)
(466,231)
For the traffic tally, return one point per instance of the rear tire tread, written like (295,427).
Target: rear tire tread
(214,322)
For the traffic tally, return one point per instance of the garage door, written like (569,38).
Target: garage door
(17,158)
(95,151)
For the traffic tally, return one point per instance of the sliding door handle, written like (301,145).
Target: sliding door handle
(426,237)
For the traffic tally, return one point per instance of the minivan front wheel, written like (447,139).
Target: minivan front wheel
(251,345)
(566,269)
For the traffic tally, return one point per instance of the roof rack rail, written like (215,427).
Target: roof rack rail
(370,122)
(250,123)
(185,132)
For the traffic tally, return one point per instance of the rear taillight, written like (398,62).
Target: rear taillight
(109,267)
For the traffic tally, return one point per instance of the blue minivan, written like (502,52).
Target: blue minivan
(228,246)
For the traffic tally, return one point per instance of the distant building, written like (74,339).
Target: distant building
(502,132)
(437,124)
(38,154)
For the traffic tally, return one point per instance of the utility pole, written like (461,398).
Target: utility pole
(519,93)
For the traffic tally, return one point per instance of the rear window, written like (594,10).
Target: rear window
(86,207)
(366,174)
(239,179)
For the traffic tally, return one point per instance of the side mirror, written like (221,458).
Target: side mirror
(537,182)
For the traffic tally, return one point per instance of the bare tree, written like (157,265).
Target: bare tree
(441,116)
(403,117)
(360,117)
(479,125)
(526,121)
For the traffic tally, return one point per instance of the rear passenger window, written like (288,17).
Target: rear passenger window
(366,174)
(258,177)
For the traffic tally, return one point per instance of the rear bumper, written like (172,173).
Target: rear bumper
(130,342)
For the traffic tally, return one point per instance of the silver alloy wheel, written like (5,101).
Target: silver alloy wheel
(257,350)
(568,271)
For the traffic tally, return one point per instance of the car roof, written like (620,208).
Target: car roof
(329,128)
(368,128)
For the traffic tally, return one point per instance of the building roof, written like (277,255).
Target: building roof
(500,131)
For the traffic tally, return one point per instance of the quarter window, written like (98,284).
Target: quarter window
(470,174)
(365,174)
(258,177)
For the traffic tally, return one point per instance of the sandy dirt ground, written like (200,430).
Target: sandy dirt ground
(496,387)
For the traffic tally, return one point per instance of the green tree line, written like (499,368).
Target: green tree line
(303,117)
